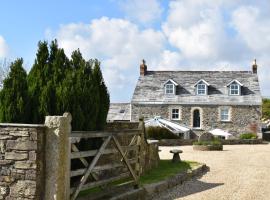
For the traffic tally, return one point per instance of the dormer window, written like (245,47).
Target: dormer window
(201,87)
(235,87)
(169,89)
(170,86)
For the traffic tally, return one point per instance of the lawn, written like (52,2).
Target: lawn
(165,169)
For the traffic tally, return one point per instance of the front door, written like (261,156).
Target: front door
(196,119)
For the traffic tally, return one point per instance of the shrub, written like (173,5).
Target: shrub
(205,143)
(248,136)
(159,133)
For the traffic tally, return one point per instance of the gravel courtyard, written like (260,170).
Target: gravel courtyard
(238,172)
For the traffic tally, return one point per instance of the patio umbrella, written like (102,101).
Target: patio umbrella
(220,132)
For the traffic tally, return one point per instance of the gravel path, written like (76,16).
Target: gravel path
(240,172)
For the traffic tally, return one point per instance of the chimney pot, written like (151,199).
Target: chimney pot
(254,67)
(143,68)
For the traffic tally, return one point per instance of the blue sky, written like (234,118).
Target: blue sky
(170,35)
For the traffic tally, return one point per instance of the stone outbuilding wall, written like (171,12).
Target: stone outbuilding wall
(21,161)
(242,118)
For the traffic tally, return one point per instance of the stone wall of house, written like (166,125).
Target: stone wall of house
(21,161)
(243,118)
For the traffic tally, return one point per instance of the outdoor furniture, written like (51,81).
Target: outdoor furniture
(176,157)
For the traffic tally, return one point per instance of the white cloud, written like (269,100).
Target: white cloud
(145,12)
(118,43)
(3,47)
(196,34)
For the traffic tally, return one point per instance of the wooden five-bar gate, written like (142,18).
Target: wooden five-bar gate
(128,158)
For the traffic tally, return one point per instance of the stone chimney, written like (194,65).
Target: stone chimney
(254,67)
(143,68)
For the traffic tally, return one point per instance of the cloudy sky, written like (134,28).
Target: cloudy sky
(169,35)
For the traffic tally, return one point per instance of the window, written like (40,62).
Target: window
(234,89)
(175,113)
(169,89)
(225,114)
(201,89)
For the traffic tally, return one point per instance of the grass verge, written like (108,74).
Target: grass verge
(164,170)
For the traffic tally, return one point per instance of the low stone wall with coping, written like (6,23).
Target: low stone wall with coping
(21,161)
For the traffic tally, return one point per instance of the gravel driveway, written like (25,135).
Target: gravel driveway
(238,172)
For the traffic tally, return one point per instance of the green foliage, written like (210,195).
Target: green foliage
(159,133)
(14,95)
(165,169)
(266,109)
(57,84)
(214,142)
(248,136)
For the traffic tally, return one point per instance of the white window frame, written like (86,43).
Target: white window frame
(222,114)
(199,90)
(175,113)
(236,88)
(170,89)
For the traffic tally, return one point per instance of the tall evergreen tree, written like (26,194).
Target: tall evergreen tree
(104,98)
(14,95)
(37,82)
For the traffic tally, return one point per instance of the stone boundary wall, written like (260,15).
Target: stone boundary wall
(21,161)
(179,142)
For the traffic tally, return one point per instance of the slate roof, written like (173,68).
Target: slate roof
(150,88)
(119,112)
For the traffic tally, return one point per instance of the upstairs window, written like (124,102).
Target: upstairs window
(234,89)
(169,89)
(170,86)
(201,89)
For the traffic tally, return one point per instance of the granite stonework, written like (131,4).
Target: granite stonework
(21,161)
(242,118)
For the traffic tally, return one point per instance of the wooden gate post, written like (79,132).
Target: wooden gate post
(57,157)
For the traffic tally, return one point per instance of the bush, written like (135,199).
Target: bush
(159,133)
(248,136)
(205,143)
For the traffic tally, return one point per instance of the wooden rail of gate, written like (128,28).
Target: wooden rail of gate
(91,168)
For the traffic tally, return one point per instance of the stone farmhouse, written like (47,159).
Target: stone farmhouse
(200,100)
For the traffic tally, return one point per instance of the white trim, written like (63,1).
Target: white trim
(201,80)
(236,82)
(165,87)
(170,80)
(205,89)
(171,113)
(239,89)
(229,113)
(201,118)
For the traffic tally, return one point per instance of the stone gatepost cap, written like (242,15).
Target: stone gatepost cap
(68,115)
(176,151)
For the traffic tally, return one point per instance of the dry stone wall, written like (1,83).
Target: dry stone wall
(21,161)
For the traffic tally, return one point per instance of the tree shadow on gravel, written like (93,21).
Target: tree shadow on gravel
(193,186)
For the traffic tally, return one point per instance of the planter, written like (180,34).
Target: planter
(208,147)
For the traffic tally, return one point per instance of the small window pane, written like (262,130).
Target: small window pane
(175,113)
(234,89)
(201,89)
(169,89)
(224,114)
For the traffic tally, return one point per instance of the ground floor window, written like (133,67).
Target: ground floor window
(175,113)
(225,114)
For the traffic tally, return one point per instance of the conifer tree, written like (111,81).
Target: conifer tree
(14,95)
(104,98)
(37,83)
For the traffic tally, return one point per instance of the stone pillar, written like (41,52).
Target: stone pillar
(57,182)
